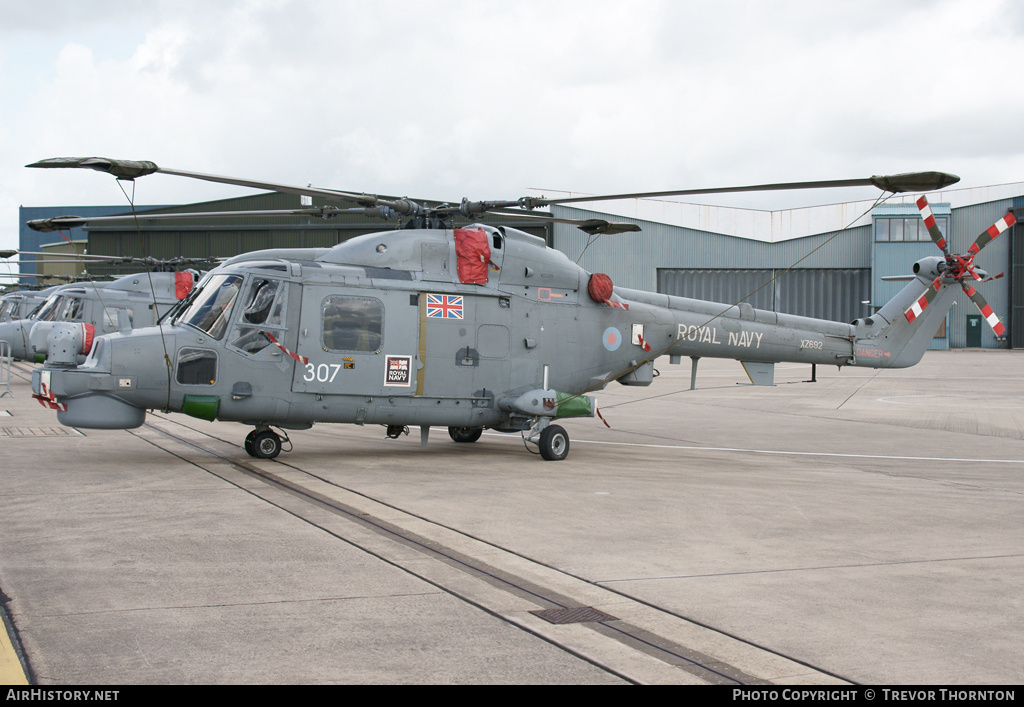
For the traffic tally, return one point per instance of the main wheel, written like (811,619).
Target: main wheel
(554,443)
(465,434)
(250,444)
(266,444)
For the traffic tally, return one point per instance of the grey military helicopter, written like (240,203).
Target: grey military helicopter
(55,306)
(467,328)
(21,303)
(98,308)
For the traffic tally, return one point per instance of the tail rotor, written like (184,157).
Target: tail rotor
(961,268)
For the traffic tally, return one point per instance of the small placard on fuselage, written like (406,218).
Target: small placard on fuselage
(398,370)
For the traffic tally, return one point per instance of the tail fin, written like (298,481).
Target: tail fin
(898,334)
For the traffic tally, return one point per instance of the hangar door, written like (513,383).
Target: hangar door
(836,294)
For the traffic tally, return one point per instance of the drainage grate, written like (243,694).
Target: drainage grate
(573,615)
(39,432)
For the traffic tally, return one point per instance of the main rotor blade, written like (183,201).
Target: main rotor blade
(39,276)
(985,309)
(592,226)
(78,258)
(913,181)
(132,169)
(85,256)
(57,223)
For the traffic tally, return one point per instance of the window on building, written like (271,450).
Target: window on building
(907,229)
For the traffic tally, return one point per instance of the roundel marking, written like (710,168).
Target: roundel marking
(612,339)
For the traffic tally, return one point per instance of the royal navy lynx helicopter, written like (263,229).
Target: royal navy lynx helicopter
(135,300)
(467,328)
(19,304)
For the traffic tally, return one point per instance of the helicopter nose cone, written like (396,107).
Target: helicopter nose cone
(77,406)
(101,412)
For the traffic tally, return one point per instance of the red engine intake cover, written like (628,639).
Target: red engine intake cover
(600,287)
(88,334)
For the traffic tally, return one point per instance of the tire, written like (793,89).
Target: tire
(465,435)
(250,444)
(554,443)
(266,445)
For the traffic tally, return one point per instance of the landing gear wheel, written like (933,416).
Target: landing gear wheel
(266,444)
(465,435)
(250,444)
(554,443)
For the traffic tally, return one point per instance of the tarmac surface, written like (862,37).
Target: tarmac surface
(863,529)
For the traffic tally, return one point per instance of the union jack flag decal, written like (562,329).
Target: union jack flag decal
(444,306)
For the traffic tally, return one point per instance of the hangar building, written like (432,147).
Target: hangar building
(821,261)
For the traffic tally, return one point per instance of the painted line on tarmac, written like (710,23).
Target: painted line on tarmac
(998,402)
(11,672)
(802,454)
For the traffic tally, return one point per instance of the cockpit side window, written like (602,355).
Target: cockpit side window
(72,310)
(258,302)
(263,311)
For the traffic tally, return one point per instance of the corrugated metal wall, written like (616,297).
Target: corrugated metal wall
(632,259)
(835,294)
(829,279)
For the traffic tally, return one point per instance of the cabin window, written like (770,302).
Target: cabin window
(263,312)
(197,366)
(110,316)
(352,323)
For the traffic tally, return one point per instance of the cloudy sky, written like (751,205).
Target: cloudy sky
(445,98)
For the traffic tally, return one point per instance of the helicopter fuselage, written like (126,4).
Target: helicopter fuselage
(410,328)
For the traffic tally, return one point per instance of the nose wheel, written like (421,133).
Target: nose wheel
(264,443)
(553,443)
(552,440)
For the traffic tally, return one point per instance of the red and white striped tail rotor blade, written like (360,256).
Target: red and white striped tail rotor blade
(985,309)
(933,227)
(990,234)
(917,308)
